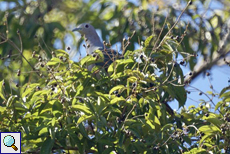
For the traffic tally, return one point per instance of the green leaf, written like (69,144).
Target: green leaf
(171,45)
(124,61)
(47,146)
(209,129)
(121,139)
(74,139)
(226,94)
(167,126)
(61,52)
(57,109)
(2,95)
(223,91)
(20,106)
(213,119)
(117,100)
(41,92)
(181,95)
(116,88)
(177,92)
(132,79)
(82,108)
(43,131)
(29,89)
(11,100)
(83,131)
(2,109)
(196,151)
(100,55)
(88,60)
(54,61)
(206,137)
(110,68)
(119,65)
(84,118)
(179,73)
(147,41)
(150,124)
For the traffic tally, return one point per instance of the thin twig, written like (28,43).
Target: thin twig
(128,116)
(178,19)
(16,47)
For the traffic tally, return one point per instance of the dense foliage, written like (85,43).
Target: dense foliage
(59,106)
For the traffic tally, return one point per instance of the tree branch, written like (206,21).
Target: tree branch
(222,54)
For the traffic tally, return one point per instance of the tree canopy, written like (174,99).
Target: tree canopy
(59,106)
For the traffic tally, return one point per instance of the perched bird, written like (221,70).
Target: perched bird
(94,43)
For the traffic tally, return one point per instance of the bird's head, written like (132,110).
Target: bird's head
(85,29)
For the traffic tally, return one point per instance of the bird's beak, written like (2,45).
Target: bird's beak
(76,29)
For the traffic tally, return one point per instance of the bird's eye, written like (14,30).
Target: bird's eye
(86,26)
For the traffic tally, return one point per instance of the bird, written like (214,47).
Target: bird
(94,43)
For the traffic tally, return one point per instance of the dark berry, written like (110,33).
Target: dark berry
(182,62)
(202,134)
(134,84)
(228,119)
(38,88)
(151,84)
(175,64)
(62,100)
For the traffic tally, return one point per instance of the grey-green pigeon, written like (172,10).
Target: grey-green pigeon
(94,43)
